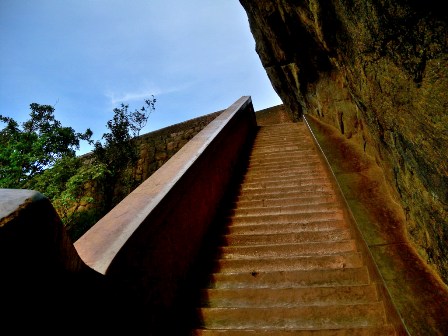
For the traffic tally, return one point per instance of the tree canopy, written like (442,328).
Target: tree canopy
(35,145)
(116,152)
(40,154)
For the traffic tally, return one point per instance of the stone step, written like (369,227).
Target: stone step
(281,194)
(288,297)
(288,143)
(287,250)
(301,141)
(294,165)
(293,279)
(282,126)
(307,199)
(298,173)
(307,317)
(280,132)
(285,176)
(321,180)
(303,160)
(281,135)
(286,238)
(276,148)
(287,263)
(278,228)
(304,148)
(310,188)
(260,154)
(295,263)
(386,330)
(299,162)
(281,157)
(302,185)
(287,208)
(291,217)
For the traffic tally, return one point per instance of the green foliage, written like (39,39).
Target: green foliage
(80,204)
(39,154)
(35,146)
(52,181)
(118,152)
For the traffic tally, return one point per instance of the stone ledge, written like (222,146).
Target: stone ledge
(417,292)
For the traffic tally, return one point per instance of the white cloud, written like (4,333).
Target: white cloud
(116,98)
(145,93)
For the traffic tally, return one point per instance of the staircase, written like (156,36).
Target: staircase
(288,264)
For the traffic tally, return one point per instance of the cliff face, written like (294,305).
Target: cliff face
(378,71)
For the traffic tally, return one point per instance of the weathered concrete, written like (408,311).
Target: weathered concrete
(154,149)
(123,275)
(45,285)
(416,291)
(151,238)
(292,251)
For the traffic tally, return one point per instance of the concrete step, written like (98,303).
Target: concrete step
(278,157)
(305,318)
(386,330)
(280,134)
(276,148)
(288,297)
(291,279)
(305,199)
(272,150)
(285,137)
(277,171)
(289,182)
(287,250)
(289,217)
(286,175)
(261,155)
(298,186)
(301,160)
(294,263)
(310,188)
(287,238)
(288,207)
(287,143)
(287,264)
(281,194)
(294,166)
(279,228)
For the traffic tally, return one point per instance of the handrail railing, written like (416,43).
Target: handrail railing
(143,248)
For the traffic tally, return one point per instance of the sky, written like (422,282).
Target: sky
(87,57)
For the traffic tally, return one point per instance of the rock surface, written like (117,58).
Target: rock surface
(378,72)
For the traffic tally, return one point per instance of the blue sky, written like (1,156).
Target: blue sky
(86,57)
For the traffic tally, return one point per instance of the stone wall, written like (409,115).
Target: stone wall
(157,147)
(378,72)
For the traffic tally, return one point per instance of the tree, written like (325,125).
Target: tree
(35,145)
(40,154)
(118,153)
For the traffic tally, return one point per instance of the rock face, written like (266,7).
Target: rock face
(377,70)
